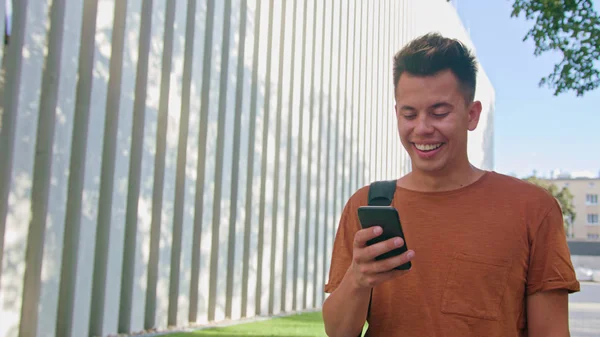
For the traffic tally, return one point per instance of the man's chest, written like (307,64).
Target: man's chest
(438,235)
(470,265)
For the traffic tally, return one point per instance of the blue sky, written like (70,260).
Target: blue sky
(534,130)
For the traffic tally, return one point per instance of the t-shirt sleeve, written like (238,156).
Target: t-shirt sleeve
(550,266)
(341,256)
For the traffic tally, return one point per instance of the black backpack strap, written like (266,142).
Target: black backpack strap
(381,193)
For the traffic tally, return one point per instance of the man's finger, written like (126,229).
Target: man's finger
(362,236)
(383,247)
(392,262)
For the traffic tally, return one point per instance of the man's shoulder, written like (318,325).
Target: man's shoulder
(520,190)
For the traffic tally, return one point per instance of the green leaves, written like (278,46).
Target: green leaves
(572,28)
(563,196)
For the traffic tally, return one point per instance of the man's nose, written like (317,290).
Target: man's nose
(423,125)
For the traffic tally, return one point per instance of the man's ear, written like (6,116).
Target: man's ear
(474,114)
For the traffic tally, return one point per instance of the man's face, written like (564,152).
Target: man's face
(433,121)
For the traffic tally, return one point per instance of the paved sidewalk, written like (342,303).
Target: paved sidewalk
(584,311)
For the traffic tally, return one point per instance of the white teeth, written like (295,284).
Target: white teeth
(428,147)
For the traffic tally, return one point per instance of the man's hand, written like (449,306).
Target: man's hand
(368,272)
(345,310)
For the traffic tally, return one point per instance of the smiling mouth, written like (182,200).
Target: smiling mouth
(428,147)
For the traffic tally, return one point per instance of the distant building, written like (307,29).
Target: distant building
(585,193)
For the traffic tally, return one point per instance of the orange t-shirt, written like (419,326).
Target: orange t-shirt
(479,250)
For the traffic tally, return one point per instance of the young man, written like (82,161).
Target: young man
(489,253)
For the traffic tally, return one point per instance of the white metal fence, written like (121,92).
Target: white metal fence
(179,161)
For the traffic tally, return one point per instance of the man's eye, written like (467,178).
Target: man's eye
(410,116)
(441,115)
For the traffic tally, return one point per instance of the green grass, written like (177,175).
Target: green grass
(301,325)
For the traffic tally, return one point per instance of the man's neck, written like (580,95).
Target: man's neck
(441,181)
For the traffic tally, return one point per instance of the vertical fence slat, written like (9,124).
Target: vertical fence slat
(263,174)
(216,218)
(41,170)
(319,281)
(76,168)
(201,166)
(387,162)
(297,210)
(394,47)
(412,24)
(369,176)
(235,164)
(348,107)
(336,176)
(353,147)
(135,168)
(400,45)
(250,166)
(378,96)
(343,120)
(334,118)
(178,206)
(359,135)
(159,167)
(289,151)
(309,197)
(375,89)
(366,138)
(390,89)
(107,174)
(10,82)
(381,93)
(381,97)
(279,112)
(402,166)
(308,191)
(394,153)
(326,215)
(375,124)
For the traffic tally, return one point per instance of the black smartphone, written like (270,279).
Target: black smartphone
(388,219)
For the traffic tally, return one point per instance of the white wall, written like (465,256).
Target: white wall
(329,120)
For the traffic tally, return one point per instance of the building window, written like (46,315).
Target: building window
(592,219)
(593,236)
(591,199)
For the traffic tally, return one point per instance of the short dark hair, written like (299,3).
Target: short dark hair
(432,53)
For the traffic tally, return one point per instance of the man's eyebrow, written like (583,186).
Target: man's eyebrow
(442,105)
(434,106)
(407,107)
